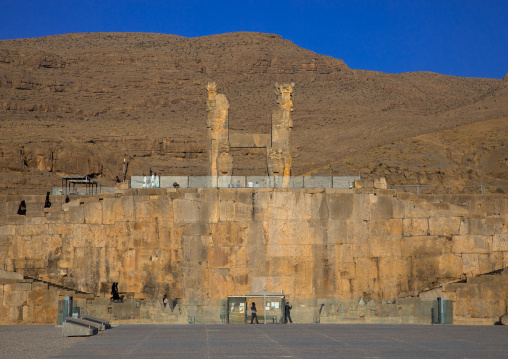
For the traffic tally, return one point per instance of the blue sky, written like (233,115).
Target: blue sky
(462,38)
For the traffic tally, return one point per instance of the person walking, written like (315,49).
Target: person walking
(287,311)
(165,300)
(254,313)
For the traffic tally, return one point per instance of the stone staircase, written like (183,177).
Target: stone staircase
(483,298)
(63,290)
(27,300)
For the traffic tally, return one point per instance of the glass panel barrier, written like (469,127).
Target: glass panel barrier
(174,181)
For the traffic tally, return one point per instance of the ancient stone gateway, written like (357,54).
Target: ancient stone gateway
(277,143)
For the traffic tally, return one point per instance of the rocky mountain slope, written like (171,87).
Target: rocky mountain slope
(81,103)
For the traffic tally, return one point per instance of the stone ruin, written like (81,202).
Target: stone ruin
(277,143)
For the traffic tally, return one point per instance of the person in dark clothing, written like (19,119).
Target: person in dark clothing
(67,199)
(254,313)
(114,291)
(117,180)
(287,311)
(22,208)
(47,203)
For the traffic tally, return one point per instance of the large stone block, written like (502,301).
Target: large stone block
(337,232)
(118,209)
(416,208)
(230,233)
(385,246)
(422,246)
(500,242)
(340,206)
(76,214)
(85,235)
(31,230)
(93,212)
(194,249)
(470,264)
(444,226)
(382,207)
(227,211)
(472,244)
(186,211)
(8,230)
(290,205)
(415,226)
(385,227)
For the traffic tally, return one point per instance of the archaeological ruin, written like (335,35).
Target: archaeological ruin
(277,143)
(340,252)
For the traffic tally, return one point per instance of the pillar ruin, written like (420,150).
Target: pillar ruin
(278,155)
(220,160)
(277,144)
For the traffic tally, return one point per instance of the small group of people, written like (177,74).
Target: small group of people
(22,205)
(287,313)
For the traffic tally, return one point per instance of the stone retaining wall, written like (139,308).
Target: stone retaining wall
(201,245)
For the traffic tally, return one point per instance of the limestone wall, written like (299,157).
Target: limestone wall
(481,300)
(28,301)
(201,245)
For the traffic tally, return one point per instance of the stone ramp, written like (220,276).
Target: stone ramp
(83,327)
(100,322)
(73,327)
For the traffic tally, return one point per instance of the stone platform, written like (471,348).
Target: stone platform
(260,341)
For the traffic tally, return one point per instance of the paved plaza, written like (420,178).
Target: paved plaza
(259,341)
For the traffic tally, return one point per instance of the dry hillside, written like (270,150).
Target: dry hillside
(81,103)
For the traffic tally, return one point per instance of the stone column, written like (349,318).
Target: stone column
(279,157)
(220,161)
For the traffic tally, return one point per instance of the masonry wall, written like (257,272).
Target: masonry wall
(201,245)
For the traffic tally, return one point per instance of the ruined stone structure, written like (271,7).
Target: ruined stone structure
(220,161)
(367,254)
(277,144)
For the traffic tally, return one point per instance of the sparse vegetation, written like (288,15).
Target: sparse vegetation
(407,127)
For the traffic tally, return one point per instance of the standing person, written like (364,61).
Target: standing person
(47,203)
(114,292)
(22,208)
(254,313)
(165,300)
(287,311)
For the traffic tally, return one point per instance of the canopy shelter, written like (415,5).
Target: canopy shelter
(270,307)
(72,181)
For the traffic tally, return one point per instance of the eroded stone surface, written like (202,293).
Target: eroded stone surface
(201,245)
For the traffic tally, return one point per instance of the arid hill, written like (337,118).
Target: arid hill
(81,103)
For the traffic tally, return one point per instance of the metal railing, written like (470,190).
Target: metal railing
(448,189)
(58,191)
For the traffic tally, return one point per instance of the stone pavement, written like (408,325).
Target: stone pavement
(260,341)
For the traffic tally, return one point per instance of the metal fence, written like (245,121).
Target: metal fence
(242,182)
(58,191)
